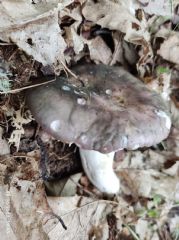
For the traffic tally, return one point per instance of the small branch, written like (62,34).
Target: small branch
(68,70)
(60,220)
(27,87)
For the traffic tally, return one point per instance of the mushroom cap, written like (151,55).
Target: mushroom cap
(112,110)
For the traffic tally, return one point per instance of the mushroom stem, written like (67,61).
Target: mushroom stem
(99,169)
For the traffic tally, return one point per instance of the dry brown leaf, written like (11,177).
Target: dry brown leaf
(169,49)
(142,229)
(14,13)
(5,227)
(78,219)
(175,114)
(117,55)
(64,187)
(73,39)
(148,183)
(162,85)
(117,15)
(74,13)
(36,32)
(99,51)
(110,14)
(22,199)
(158,7)
(4,146)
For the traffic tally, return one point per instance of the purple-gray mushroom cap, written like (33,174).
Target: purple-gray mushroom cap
(107,111)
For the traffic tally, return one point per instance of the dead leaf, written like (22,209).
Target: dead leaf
(106,14)
(79,220)
(40,36)
(73,39)
(169,49)
(158,7)
(147,183)
(4,146)
(99,51)
(21,200)
(117,55)
(162,85)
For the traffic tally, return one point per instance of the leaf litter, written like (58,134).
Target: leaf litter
(45,38)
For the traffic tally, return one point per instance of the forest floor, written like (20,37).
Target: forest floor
(42,38)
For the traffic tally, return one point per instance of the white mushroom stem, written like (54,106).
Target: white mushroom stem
(99,169)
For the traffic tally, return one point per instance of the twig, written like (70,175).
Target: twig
(132,232)
(68,70)
(60,220)
(62,158)
(27,87)
(13,54)
(85,205)
(6,44)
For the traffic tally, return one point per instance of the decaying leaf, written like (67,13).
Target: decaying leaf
(65,187)
(169,49)
(162,84)
(79,219)
(21,198)
(115,15)
(36,32)
(158,7)
(73,39)
(14,13)
(99,51)
(4,146)
(117,55)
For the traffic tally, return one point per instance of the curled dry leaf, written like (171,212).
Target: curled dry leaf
(169,49)
(74,13)
(106,14)
(117,15)
(117,55)
(73,39)
(110,14)
(99,51)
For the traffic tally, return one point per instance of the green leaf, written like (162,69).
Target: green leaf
(157,199)
(153,213)
(162,70)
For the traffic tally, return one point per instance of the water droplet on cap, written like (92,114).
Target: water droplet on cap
(81,101)
(108,91)
(55,125)
(66,88)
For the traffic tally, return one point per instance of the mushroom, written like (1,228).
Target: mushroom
(111,110)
